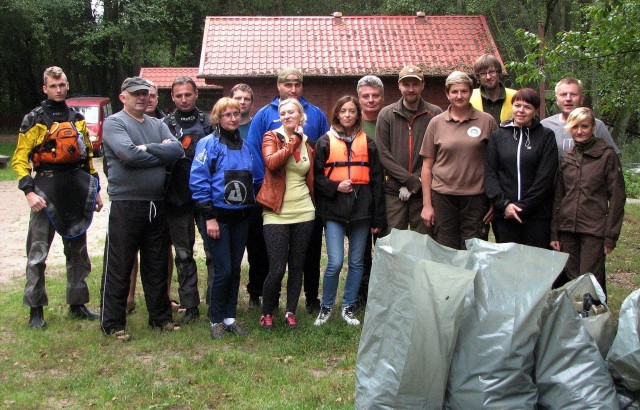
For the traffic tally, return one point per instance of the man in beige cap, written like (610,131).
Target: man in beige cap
(289,85)
(399,133)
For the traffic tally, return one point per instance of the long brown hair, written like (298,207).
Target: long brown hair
(335,121)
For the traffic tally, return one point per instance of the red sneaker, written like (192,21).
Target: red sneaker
(266,322)
(290,320)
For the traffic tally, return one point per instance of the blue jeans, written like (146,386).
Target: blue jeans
(226,252)
(334,235)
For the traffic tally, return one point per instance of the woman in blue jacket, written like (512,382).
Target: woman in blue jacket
(222,185)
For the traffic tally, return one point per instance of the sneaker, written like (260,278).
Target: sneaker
(323,316)
(266,322)
(349,316)
(254,302)
(217,330)
(313,306)
(290,320)
(235,328)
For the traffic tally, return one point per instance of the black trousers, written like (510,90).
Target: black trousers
(135,226)
(533,232)
(256,254)
(312,262)
(182,230)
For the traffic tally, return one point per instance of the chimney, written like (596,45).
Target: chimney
(420,18)
(337,17)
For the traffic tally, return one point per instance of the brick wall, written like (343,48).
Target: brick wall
(324,91)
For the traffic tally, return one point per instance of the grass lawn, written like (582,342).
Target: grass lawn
(7,174)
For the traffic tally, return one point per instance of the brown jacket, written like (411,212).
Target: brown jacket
(276,152)
(590,194)
(399,140)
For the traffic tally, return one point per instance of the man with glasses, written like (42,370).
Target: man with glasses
(569,97)
(189,125)
(492,96)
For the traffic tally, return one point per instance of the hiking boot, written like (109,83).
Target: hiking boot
(290,320)
(313,306)
(82,312)
(36,318)
(191,315)
(254,302)
(323,316)
(266,322)
(349,316)
(235,328)
(217,330)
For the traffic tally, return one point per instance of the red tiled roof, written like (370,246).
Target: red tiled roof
(163,76)
(347,46)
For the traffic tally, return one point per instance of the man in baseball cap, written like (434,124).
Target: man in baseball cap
(133,84)
(411,71)
(399,132)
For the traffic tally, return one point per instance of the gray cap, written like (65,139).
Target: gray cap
(133,84)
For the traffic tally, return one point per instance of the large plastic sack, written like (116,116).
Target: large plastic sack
(600,326)
(569,370)
(493,361)
(416,292)
(624,356)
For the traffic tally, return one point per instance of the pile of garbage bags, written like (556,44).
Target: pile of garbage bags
(480,329)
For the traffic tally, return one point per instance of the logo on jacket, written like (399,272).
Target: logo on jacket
(235,193)
(201,157)
(474,132)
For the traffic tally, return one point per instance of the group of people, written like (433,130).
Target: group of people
(272,183)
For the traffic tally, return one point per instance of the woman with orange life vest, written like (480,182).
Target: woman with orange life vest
(350,201)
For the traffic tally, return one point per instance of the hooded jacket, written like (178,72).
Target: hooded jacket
(521,166)
(590,194)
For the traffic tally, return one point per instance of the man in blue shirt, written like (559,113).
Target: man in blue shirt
(289,85)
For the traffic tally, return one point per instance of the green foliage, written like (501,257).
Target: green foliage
(632,183)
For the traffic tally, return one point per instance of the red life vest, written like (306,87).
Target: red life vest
(63,143)
(348,161)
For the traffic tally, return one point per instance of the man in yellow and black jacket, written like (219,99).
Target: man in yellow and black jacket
(54,143)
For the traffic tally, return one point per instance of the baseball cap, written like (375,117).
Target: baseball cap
(133,84)
(286,72)
(411,71)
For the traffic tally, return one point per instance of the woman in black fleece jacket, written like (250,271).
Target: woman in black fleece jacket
(521,166)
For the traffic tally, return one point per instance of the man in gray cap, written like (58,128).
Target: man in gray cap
(268,118)
(138,149)
(399,132)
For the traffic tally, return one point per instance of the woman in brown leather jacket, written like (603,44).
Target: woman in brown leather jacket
(289,214)
(589,202)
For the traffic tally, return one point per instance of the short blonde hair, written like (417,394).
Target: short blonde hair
(458,77)
(221,105)
(298,106)
(580,115)
(54,72)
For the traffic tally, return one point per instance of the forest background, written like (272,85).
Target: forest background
(100,42)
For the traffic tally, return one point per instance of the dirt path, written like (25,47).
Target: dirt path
(14,220)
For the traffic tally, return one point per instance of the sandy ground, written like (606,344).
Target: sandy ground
(14,220)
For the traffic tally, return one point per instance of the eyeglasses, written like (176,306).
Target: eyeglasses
(489,73)
(229,115)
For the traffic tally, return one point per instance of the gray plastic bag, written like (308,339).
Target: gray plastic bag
(416,292)
(600,326)
(624,356)
(569,370)
(493,361)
